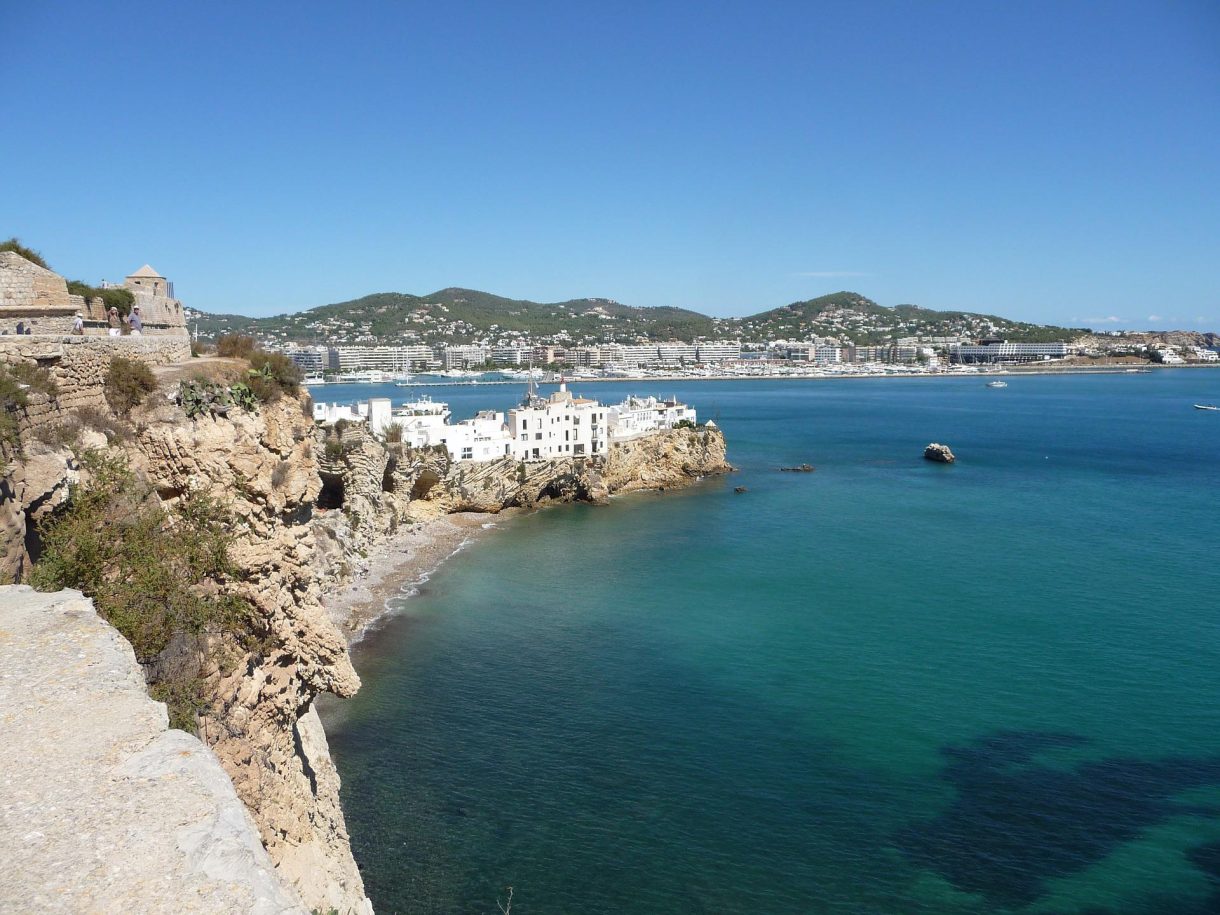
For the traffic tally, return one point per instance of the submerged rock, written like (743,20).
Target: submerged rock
(939,453)
(799,468)
(740,489)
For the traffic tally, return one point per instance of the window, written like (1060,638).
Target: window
(467,453)
(538,436)
(525,423)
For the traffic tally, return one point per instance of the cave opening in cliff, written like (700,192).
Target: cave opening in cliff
(387,477)
(424,483)
(331,495)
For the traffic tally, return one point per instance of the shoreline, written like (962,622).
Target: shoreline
(398,565)
(1023,369)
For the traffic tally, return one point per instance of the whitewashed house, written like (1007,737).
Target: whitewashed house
(328,413)
(483,438)
(561,425)
(642,415)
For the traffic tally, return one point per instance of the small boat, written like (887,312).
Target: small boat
(997,384)
(1206,406)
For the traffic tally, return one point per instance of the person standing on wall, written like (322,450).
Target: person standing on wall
(78,325)
(115,322)
(135,322)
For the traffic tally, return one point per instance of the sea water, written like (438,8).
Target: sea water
(885,686)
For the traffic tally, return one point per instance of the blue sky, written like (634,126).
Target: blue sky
(1057,162)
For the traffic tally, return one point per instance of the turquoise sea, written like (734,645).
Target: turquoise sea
(888,686)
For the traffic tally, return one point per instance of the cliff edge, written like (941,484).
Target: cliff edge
(104,808)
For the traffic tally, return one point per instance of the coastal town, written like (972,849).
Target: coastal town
(561,425)
(855,349)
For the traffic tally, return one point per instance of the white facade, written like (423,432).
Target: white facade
(1003,351)
(642,415)
(483,438)
(385,358)
(333,412)
(423,422)
(461,357)
(541,428)
(558,426)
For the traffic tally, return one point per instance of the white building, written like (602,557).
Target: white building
(719,351)
(311,359)
(385,358)
(561,425)
(642,415)
(328,413)
(422,422)
(1003,351)
(463,357)
(541,428)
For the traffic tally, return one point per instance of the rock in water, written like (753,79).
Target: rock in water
(939,453)
(740,489)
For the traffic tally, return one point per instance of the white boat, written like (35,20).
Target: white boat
(997,384)
(1206,406)
(313,379)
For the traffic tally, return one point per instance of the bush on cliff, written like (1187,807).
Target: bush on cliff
(152,574)
(273,375)
(15,245)
(115,297)
(128,382)
(235,346)
(17,381)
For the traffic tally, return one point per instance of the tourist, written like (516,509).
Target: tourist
(78,325)
(116,325)
(135,322)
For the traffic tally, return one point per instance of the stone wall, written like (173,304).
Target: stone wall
(106,809)
(79,364)
(33,296)
(39,299)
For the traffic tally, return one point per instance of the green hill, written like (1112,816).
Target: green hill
(851,316)
(456,315)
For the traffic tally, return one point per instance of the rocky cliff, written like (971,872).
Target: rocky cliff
(379,487)
(302,508)
(105,809)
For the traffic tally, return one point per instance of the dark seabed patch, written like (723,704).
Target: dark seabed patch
(1016,823)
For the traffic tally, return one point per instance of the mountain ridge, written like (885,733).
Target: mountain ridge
(459,315)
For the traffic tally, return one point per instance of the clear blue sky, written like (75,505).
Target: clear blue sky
(1052,161)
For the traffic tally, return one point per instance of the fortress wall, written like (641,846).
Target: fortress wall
(79,365)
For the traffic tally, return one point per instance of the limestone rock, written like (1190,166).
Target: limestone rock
(103,808)
(939,453)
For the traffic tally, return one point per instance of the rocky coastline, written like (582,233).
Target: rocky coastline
(320,537)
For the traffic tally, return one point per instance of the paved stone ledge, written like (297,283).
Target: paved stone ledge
(102,808)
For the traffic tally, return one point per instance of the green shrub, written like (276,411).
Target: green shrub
(393,434)
(272,375)
(15,245)
(334,449)
(128,382)
(117,297)
(684,424)
(235,346)
(199,348)
(198,396)
(152,574)
(37,378)
(100,421)
(13,401)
